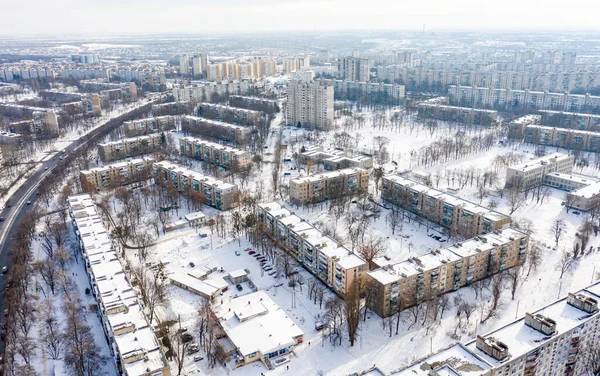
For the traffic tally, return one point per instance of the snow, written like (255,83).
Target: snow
(455,357)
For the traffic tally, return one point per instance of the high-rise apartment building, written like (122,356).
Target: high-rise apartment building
(324,57)
(310,104)
(355,69)
(184,64)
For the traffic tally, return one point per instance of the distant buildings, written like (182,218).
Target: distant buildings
(509,99)
(296,64)
(214,192)
(145,126)
(199,64)
(216,129)
(355,69)
(532,173)
(267,106)
(324,57)
(436,109)
(86,58)
(322,256)
(459,216)
(184,64)
(214,153)
(129,147)
(310,104)
(229,114)
(376,92)
(317,188)
(172,108)
(207,91)
(131,339)
(242,69)
(547,341)
(571,120)
(25,73)
(412,281)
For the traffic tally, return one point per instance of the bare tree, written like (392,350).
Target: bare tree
(515,278)
(373,248)
(394,219)
(565,262)
(534,256)
(490,309)
(352,311)
(558,227)
(51,332)
(589,356)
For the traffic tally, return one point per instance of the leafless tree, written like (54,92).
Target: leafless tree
(515,278)
(335,316)
(144,243)
(558,227)
(534,256)
(565,263)
(394,219)
(589,356)
(491,308)
(569,201)
(373,248)
(352,311)
(51,332)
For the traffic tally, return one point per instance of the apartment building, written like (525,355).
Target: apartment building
(199,64)
(511,76)
(532,173)
(135,347)
(334,159)
(207,91)
(267,106)
(116,174)
(129,147)
(146,126)
(310,104)
(112,91)
(211,152)
(215,129)
(377,91)
(561,137)
(322,256)
(459,216)
(218,194)
(184,64)
(92,105)
(45,122)
(321,187)
(242,69)
(416,279)
(431,109)
(25,73)
(172,108)
(509,99)
(355,69)
(229,114)
(85,73)
(295,64)
(571,120)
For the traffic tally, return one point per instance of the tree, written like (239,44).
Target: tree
(82,355)
(490,309)
(352,311)
(534,256)
(590,358)
(180,348)
(558,227)
(394,219)
(565,262)
(373,248)
(515,278)
(569,201)
(50,331)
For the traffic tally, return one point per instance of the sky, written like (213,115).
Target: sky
(218,16)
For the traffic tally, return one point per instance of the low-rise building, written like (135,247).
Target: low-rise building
(213,192)
(331,262)
(258,329)
(129,147)
(412,281)
(116,174)
(229,114)
(172,108)
(317,188)
(131,338)
(459,216)
(572,120)
(145,126)
(215,129)
(214,153)
(267,106)
(532,173)
(334,159)
(467,115)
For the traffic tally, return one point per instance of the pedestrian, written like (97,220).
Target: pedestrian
(309,343)
(288,368)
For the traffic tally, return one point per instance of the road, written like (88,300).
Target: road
(27,192)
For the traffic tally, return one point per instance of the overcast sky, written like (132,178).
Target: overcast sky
(201,16)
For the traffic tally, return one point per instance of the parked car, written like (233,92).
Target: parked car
(1,219)
(237,253)
(4,269)
(28,202)
(203,235)
(193,350)
(272,272)
(251,253)
(268,269)
(198,358)
(256,255)
(182,330)
(239,287)
(192,264)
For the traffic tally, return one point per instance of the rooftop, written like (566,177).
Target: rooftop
(535,163)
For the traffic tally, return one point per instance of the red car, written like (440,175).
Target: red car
(251,252)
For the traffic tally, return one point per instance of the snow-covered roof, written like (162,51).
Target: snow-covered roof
(238,273)
(587,191)
(194,283)
(575,178)
(205,179)
(131,140)
(535,163)
(454,360)
(254,322)
(194,216)
(327,175)
(213,145)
